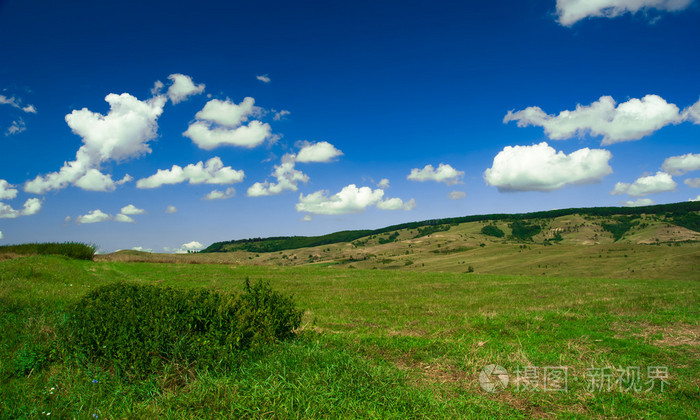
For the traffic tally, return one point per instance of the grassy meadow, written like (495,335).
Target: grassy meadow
(373,344)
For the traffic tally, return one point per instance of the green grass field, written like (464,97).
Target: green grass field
(374,344)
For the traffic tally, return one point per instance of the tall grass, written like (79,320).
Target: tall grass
(77,250)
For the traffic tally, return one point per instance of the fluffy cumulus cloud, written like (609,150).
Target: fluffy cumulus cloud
(350,199)
(571,11)
(317,152)
(695,199)
(7,190)
(678,165)
(182,87)
(264,78)
(396,204)
(652,184)
(123,218)
(222,123)
(638,202)
(627,121)
(132,210)
(1,235)
(94,216)
(541,168)
(444,173)
(211,172)
(31,207)
(221,195)
(120,135)
(171,209)
(692,113)
(692,182)
(288,177)
(185,248)
(456,195)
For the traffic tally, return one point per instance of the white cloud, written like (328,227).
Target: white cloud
(280,115)
(182,88)
(264,78)
(1,235)
(16,127)
(94,216)
(123,218)
(541,168)
(350,199)
(692,113)
(142,249)
(31,207)
(120,135)
(639,202)
(211,172)
(571,11)
(157,88)
(131,210)
(220,123)
(221,195)
(695,199)
(456,195)
(652,184)
(444,173)
(627,121)
(228,113)
(692,182)
(287,179)
(16,103)
(396,204)
(94,180)
(207,137)
(307,218)
(678,165)
(317,152)
(193,245)
(185,248)
(7,192)
(383,184)
(171,209)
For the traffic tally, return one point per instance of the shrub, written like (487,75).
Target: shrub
(138,329)
(76,250)
(523,230)
(492,230)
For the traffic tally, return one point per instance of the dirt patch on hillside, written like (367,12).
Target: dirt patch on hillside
(671,234)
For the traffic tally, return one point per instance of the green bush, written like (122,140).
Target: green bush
(76,250)
(138,329)
(492,230)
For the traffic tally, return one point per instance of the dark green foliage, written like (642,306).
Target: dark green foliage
(429,230)
(282,243)
(558,237)
(687,220)
(620,226)
(75,250)
(138,329)
(389,239)
(524,231)
(492,230)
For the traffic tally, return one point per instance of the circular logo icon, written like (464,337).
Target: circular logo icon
(493,378)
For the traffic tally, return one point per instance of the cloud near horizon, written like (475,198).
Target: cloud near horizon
(627,121)
(645,185)
(350,199)
(679,165)
(541,168)
(444,173)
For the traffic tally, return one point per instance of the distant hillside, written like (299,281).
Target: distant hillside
(621,220)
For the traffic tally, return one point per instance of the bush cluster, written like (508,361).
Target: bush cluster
(76,250)
(138,329)
(492,230)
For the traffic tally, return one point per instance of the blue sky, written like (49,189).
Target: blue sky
(516,106)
